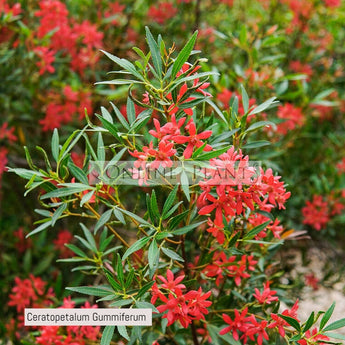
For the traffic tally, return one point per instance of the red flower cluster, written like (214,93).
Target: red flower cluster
(182,307)
(162,12)
(230,267)
(293,117)
(22,243)
(234,186)
(168,137)
(79,41)
(31,292)
(316,213)
(62,109)
(266,296)
(247,325)
(64,236)
(341,166)
(299,67)
(280,323)
(80,335)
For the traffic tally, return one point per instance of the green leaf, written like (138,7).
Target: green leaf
(185,184)
(119,216)
(335,335)
(103,219)
(100,148)
(256,144)
(187,228)
(58,213)
(119,270)
(123,331)
(258,125)
(169,201)
(291,321)
(153,255)
(98,291)
(89,237)
(125,64)
(130,111)
(335,325)
(252,233)
(78,173)
(212,154)
(86,198)
(40,228)
(134,216)
(107,335)
(55,144)
(309,322)
(110,127)
(70,142)
(146,305)
(327,316)
(76,250)
(106,115)
(136,246)
(145,288)
(245,99)
(263,106)
(155,53)
(171,254)
(120,117)
(172,210)
(183,55)
(154,205)
(129,279)
(61,192)
(121,303)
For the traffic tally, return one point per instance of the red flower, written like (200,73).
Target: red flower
(266,296)
(332,3)
(162,12)
(3,161)
(179,306)
(312,281)
(22,243)
(7,133)
(239,324)
(64,237)
(170,283)
(47,56)
(258,329)
(316,213)
(193,139)
(293,118)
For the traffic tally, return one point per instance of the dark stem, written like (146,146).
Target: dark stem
(197,15)
(195,337)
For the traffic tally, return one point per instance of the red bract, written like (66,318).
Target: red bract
(113,10)
(316,213)
(256,329)
(47,58)
(222,266)
(312,281)
(22,243)
(182,307)
(293,117)
(161,12)
(299,67)
(266,296)
(332,3)
(62,109)
(3,161)
(311,338)
(194,140)
(7,132)
(64,237)
(238,324)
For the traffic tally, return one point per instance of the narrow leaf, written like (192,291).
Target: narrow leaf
(107,335)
